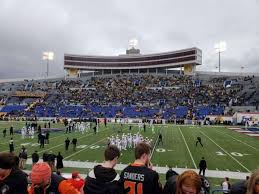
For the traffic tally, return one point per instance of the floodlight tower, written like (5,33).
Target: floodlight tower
(220,47)
(133,43)
(48,56)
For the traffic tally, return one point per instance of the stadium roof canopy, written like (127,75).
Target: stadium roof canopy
(187,58)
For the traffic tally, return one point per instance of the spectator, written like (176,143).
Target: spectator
(170,173)
(77,181)
(11,145)
(47,137)
(12,180)
(226,186)
(253,183)
(23,157)
(35,157)
(45,156)
(188,182)
(74,142)
(4,133)
(11,131)
(103,178)
(59,161)
(140,175)
(51,158)
(202,166)
(40,178)
(250,186)
(67,142)
(45,182)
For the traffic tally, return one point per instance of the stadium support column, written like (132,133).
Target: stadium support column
(219,61)
(47,67)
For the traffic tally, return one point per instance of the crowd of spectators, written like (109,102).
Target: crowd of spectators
(163,93)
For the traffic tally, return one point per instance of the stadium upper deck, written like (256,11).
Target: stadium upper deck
(134,63)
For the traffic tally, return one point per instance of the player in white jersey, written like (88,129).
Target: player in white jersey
(82,127)
(129,140)
(31,132)
(153,129)
(119,144)
(23,132)
(151,122)
(87,126)
(140,126)
(124,142)
(163,121)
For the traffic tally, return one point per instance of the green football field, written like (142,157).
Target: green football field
(223,148)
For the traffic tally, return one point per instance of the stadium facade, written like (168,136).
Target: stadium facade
(133,63)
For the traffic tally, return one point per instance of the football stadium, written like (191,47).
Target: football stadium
(131,123)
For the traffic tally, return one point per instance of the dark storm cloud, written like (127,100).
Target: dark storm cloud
(29,27)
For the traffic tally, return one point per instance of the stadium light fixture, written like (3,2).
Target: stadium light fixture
(48,56)
(220,47)
(133,43)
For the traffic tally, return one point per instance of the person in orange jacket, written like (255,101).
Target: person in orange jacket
(77,181)
(45,182)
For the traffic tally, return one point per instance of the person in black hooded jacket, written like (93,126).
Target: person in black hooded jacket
(103,179)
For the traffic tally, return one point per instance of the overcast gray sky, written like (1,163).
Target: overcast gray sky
(104,27)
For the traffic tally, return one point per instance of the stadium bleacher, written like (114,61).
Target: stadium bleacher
(132,96)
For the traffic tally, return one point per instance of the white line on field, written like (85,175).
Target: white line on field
(187,147)
(225,151)
(84,148)
(18,140)
(63,143)
(154,147)
(238,140)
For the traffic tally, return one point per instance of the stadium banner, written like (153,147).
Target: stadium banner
(241,118)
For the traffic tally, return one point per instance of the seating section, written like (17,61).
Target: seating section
(131,96)
(13,108)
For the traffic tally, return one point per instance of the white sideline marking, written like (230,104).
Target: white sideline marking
(253,135)
(225,152)
(239,140)
(242,131)
(161,170)
(187,148)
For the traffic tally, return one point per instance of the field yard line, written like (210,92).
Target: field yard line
(84,148)
(187,147)
(154,148)
(225,151)
(238,140)
(63,143)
